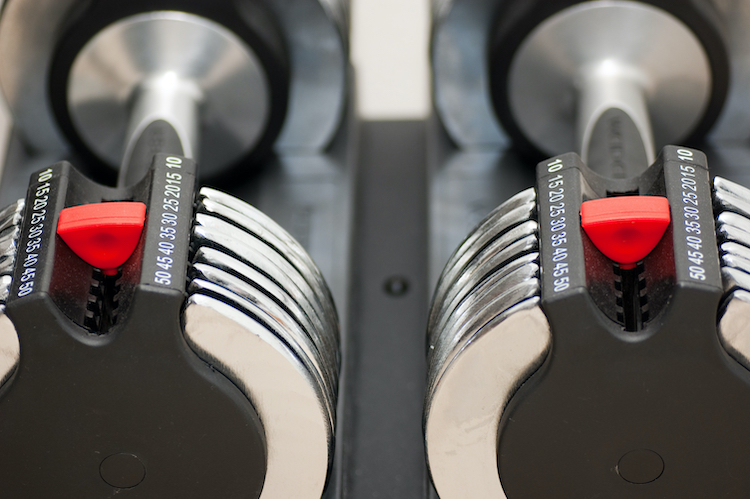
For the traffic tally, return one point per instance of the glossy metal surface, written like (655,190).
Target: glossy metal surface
(248,248)
(732,233)
(253,221)
(261,308)
(173,64)
(736,261)
(734,278)
(5,282)
(724,185)
(8,250)
(287,398)
(462,413)
(10,349)
(735,249)
(734,326)
(11,214)
(299,309)
(253,256)
(611,84)
(493,227)
(489,254)
(734,220)
(496,257)
(252,215)
(315,33)
(168,96)
(731,196)
(484,280)
(275,302)
(608,42)
(10,220)
(481,305)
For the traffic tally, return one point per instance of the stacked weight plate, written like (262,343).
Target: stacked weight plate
(10,227)
(486,334)
(732,210)
(10,230)
(260,311)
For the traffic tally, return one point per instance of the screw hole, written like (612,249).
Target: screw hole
(396,286)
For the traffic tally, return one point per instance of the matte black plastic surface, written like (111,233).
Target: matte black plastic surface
(607,397)
(88,407)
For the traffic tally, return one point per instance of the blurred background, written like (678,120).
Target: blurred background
(390,53)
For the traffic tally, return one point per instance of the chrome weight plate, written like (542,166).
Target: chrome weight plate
(317,296)
(270,299)
(733,200)
(478,309)
(476,238)
(499,270)
(734,278)
(269,225)
(284,392)
(501,229)
(730,196)
(730,232)
(738,250)
(11,218)
(494,224)
(10,223)
(734,326)
(487,334)
(518,240)
(736,261)
(464,405)
(247,218)
(300,309)
(495,228)
(735,220)
(260,308)
(11,215)
(501,252)
(258,256)
(490,284)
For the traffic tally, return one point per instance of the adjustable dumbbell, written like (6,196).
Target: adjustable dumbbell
(158,337)
(589,336)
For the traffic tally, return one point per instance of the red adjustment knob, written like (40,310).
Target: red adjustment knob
(103,235)
(626,228)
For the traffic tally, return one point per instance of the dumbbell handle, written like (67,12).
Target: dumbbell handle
(613,125)
(163,119)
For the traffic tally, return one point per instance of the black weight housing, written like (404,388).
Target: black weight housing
(659,411)
(126,385)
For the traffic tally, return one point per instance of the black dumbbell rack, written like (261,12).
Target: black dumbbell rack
(380,213)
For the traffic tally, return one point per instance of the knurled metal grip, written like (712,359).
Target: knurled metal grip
(615,378)
(205,365)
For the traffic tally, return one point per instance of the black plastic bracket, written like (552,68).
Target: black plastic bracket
(94,408)
(659,411)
